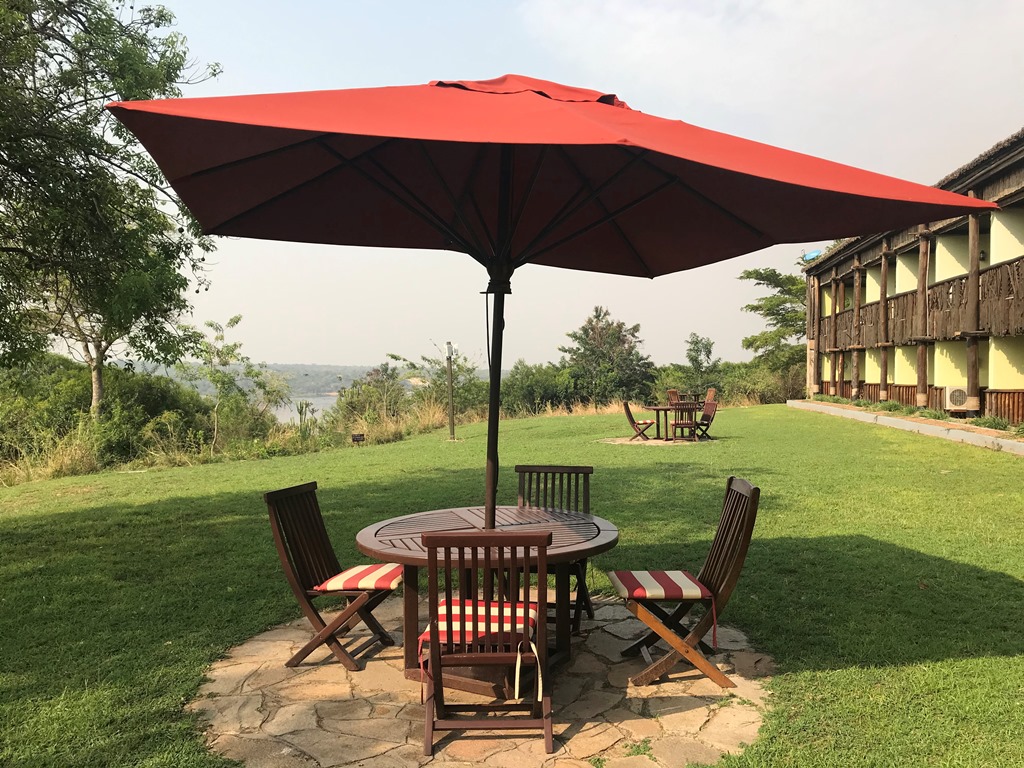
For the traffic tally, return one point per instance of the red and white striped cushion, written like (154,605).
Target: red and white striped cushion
(502,618)
(364,577)
(658,585)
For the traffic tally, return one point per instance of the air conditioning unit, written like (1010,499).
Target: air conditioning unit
(956,398)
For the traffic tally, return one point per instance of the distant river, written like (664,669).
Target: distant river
(320,402)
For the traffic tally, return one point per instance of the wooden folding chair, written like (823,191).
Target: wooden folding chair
(566,488)
(703,424)
(312,570)
(639,427)
(485,611)
(714,584)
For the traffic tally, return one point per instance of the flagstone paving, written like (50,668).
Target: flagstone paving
(320,715)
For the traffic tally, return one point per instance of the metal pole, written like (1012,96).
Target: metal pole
(451,396)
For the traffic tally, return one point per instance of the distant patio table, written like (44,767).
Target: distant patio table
(688,408)
(575,537)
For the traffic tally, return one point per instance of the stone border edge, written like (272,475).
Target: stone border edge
(931,430)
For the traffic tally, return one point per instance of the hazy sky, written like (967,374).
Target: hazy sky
(913,88)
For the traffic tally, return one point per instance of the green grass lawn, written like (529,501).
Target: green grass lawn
(885,578)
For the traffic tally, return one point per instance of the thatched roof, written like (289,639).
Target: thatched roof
(957,181)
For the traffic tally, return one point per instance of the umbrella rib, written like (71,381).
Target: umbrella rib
(456,206)
(609,218)
(704,198)
(571,206)
(416,206)
(251,158)
(528,191)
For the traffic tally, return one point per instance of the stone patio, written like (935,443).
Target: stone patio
(320,715)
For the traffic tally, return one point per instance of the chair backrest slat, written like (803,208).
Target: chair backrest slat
(554,487)
(710,407)
(301,536)
(728,550)
(478,562)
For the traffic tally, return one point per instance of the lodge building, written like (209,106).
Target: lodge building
(931,316)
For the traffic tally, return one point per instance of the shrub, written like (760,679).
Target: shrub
(991,422)
(929,413)
(890,406)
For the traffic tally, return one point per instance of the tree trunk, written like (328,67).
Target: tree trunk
(95,358)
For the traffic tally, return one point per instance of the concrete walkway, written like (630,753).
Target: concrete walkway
(992,439)
(320,715)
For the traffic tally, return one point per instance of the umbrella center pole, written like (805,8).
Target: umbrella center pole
(499,287)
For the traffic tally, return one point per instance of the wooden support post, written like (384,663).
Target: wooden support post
(814,345)
(972,319)
(833,336)
(883,325)
(857,337)
(921,315)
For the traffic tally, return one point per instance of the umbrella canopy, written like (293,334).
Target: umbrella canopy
(511,171)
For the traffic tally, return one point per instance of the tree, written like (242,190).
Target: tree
(78,196)
(380,394)
(704,370)
(529,389)
(605,362)
(235,379)
(136,311)
(785,315)
(469,391)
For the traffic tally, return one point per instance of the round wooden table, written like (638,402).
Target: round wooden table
(574,537)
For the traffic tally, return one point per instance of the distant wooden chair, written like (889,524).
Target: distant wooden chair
(470,625)
(683,421)
(703,424)
(312,570)
(639,427)
(673,396)
(712,587)
(567,488)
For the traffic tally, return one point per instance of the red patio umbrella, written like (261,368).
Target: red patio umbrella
(510,171)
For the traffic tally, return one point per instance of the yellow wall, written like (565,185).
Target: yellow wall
(950,365)
(825,366)
(872,366)
(906,272)
(1006,363)
(825,300)
(1007,238)
(951,258)
(905,369)
(872,284)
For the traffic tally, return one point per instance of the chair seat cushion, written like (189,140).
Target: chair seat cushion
(645,421)
(658,585)
(502,618)
(364,577)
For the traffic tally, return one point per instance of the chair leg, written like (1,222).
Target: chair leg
(365,613)
(583,602)
(684,649)
(549,739)
(428,719)
(326,633)
(670,620)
